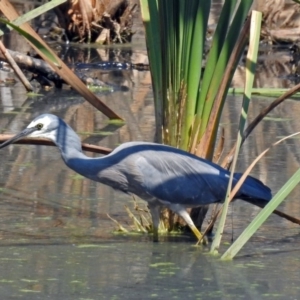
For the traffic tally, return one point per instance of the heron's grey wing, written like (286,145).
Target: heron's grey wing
(182,179)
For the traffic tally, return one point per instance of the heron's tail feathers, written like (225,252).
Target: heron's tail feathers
(254,191)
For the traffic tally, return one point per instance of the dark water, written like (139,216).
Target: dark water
(142,270)
(57,242)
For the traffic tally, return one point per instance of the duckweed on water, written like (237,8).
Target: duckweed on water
(96,133)
(277,119)
(24,165)
(116,122)
(162,264)
(167,273)
(94,246)
(29,291)
(33,95)
(12,259)
(257,265)
(76,177)
(29,280)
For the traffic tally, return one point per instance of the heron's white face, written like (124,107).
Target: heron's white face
(46,126)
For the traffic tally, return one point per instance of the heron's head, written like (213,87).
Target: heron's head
(43,126)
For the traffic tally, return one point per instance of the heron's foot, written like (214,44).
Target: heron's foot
(201,239)
(155,239)
(155,234)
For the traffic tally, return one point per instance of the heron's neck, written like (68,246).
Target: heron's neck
(69,145)
(86,166)
(67,141)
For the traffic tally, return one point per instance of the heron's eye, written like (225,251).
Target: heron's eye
(39,126)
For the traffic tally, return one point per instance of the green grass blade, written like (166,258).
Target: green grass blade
(215,50)
(149,10)
(206,147)
(268,92)
(169,13)
(37,12)
(250,73)
(194,65)
(34,41)
(228,46)
(262,216)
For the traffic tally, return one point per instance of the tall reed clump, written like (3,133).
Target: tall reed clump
(191,76)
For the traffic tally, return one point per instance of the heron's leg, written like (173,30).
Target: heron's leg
(155,213)
(181,211)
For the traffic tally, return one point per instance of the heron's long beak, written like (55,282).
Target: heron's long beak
(17,137)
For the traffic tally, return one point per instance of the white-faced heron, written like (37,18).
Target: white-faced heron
(159,174)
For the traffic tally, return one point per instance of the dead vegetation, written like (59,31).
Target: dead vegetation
(110,21)
(100,21)
(281,20)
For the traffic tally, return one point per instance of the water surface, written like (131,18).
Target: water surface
(57,242)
